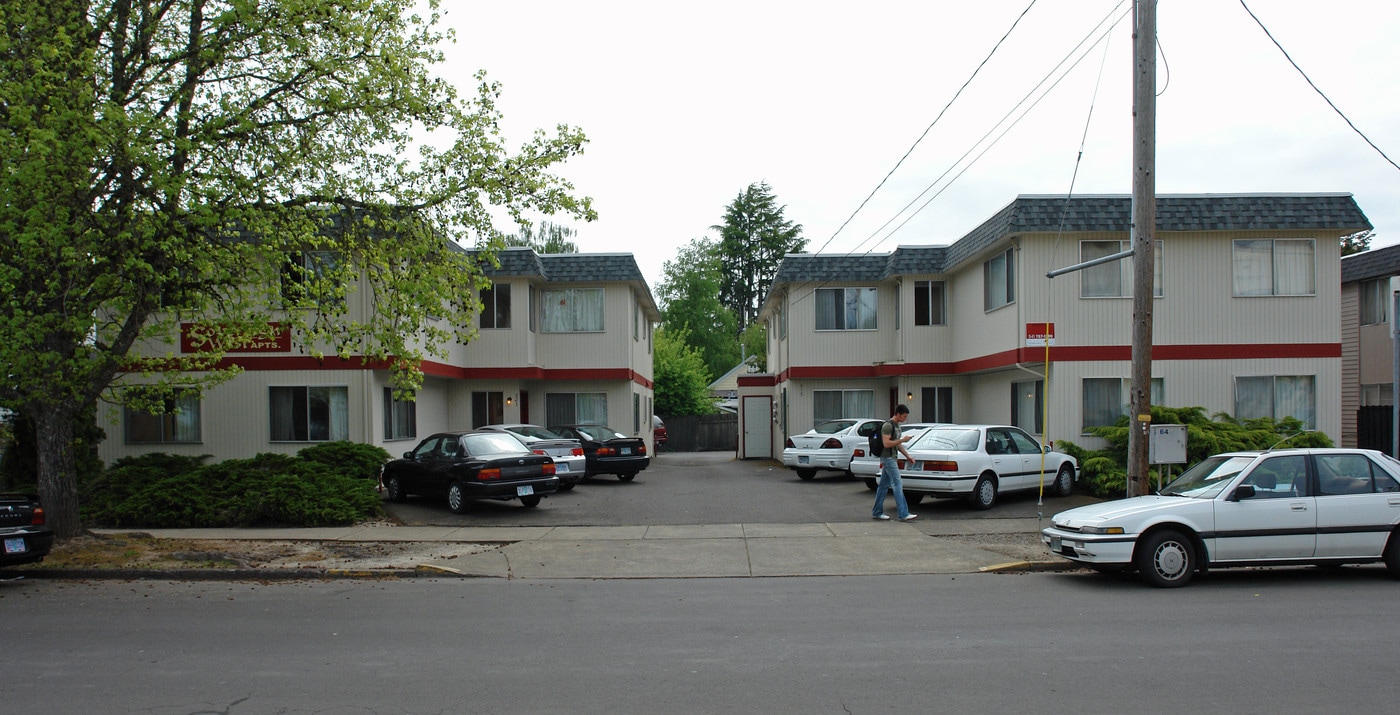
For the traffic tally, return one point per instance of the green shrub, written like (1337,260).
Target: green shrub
(1105,471)
(165,491)
(350,458)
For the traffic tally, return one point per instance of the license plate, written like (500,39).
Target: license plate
(803,459)
(15,546)
(626,450)
(561,467)
(524,491)
(1055,543)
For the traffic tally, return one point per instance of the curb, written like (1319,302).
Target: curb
(1032,566)
(211,574)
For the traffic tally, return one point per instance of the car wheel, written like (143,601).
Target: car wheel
(395,489)
(566,486)
(806,474)
(914,499)
(1166,559)
(1392,555)
(457,498)
(872,484)
(984,495)
(530,501)
(1064,481)
(627,477)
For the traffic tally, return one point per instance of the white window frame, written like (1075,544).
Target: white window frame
(1115,279)
(843,306)
(1101,397)
(850,403)
(1263,267)
(336,399)
(1277,397)
(179,424)
(999,280)
(935,311)
(572,310)
(570,408)
(1374,301)
(494,315)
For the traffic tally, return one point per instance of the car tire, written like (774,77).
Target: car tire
(531,501)
(457,498)
(1166,558)
(1064,481)
(984,494)
(872,484)
(627,477)
(1392,555)
(806,474)
(396,491)
(566,486)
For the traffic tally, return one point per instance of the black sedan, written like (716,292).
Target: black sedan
(466,466)
(24,538)
(608,451)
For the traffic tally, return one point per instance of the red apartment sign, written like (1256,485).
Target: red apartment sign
(1039,335)
(280,341)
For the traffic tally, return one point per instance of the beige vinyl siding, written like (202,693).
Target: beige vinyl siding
(1351,361)
(810,347)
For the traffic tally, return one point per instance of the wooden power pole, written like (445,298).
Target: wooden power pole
(1143,235)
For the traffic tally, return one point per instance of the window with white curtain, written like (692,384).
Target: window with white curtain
(836,404)
(572,310)
(1115,278)
(576,408)
(1378,394)
(309,414)
(1264,267)
(400,417)
(1277,397)
(999,280)
(1375,301)
(846,308)
(178,424)
(1026,405)
(1106,399)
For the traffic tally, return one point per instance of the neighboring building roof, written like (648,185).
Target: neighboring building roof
(1375,263)
(1084,214)
(729,381)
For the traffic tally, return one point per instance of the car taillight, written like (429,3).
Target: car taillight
(642,450)
(858,453)
(577,452)
(788,443)
(605,451)
(540,452)
(831,443)
(940,466)
(548,469)
(492,473)
(37,518)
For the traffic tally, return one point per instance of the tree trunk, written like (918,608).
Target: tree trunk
(58,475)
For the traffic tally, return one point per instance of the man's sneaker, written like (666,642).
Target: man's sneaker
(911,517)
(881,517)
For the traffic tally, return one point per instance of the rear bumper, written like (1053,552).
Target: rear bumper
(618,465)
(511,489)
(24,544)
(793,460)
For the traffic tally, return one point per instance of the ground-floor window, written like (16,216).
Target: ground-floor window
(576,408)
(835,404)
(937,404)
(488,408)
(400,417)
(309,414)
(1277,396)
(178,424)
(1026,405)
(1107,398)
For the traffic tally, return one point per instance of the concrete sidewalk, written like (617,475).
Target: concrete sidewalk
(692,551)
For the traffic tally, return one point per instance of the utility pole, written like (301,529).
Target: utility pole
(1143,235)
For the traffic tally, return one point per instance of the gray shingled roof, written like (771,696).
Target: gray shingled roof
(1375,263)
(572,268)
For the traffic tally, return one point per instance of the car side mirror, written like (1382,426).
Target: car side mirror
(408,455)
(1244,491)
(1048,448)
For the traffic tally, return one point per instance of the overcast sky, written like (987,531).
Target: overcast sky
(686,104)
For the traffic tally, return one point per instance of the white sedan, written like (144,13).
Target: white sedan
(979,462)
(867,466)
(829,445)
(1285,507)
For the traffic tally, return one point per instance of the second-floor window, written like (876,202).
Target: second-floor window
(1375,301)
(309,278)
(495,306)
(1114,279)
(846,308)
(572,310)
(1275,267)
(930,307)
(999,280)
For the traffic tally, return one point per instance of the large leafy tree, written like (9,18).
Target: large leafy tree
(178,163)
(754,238)
(1357,242)
(690,306)
(682,384)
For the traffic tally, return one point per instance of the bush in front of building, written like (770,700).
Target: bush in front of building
(1105,473)
(361,461)
(162,491)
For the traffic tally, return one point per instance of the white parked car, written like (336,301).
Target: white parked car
(979,462)
(866,466)
(829,445)
(1285,507)
(570,463)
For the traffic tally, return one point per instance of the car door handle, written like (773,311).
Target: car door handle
(1299,507)
(1395,501)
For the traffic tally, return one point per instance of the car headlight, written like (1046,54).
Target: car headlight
(1101,530)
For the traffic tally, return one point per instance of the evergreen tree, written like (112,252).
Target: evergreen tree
(546,238)
(754,238)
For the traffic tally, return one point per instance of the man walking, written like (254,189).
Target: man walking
(889,467)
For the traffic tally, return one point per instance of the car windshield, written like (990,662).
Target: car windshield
(492,443)
(599,433)
(942,438)
(1207,479)
(535,432)
(833,426)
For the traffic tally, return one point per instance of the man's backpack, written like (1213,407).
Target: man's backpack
(877,441)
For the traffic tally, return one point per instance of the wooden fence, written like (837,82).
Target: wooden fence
(701,433)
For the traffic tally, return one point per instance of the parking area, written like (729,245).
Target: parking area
(684,488)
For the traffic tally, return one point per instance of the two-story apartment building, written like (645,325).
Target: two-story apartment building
(563,338)
(1368,348)
(1244,319)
